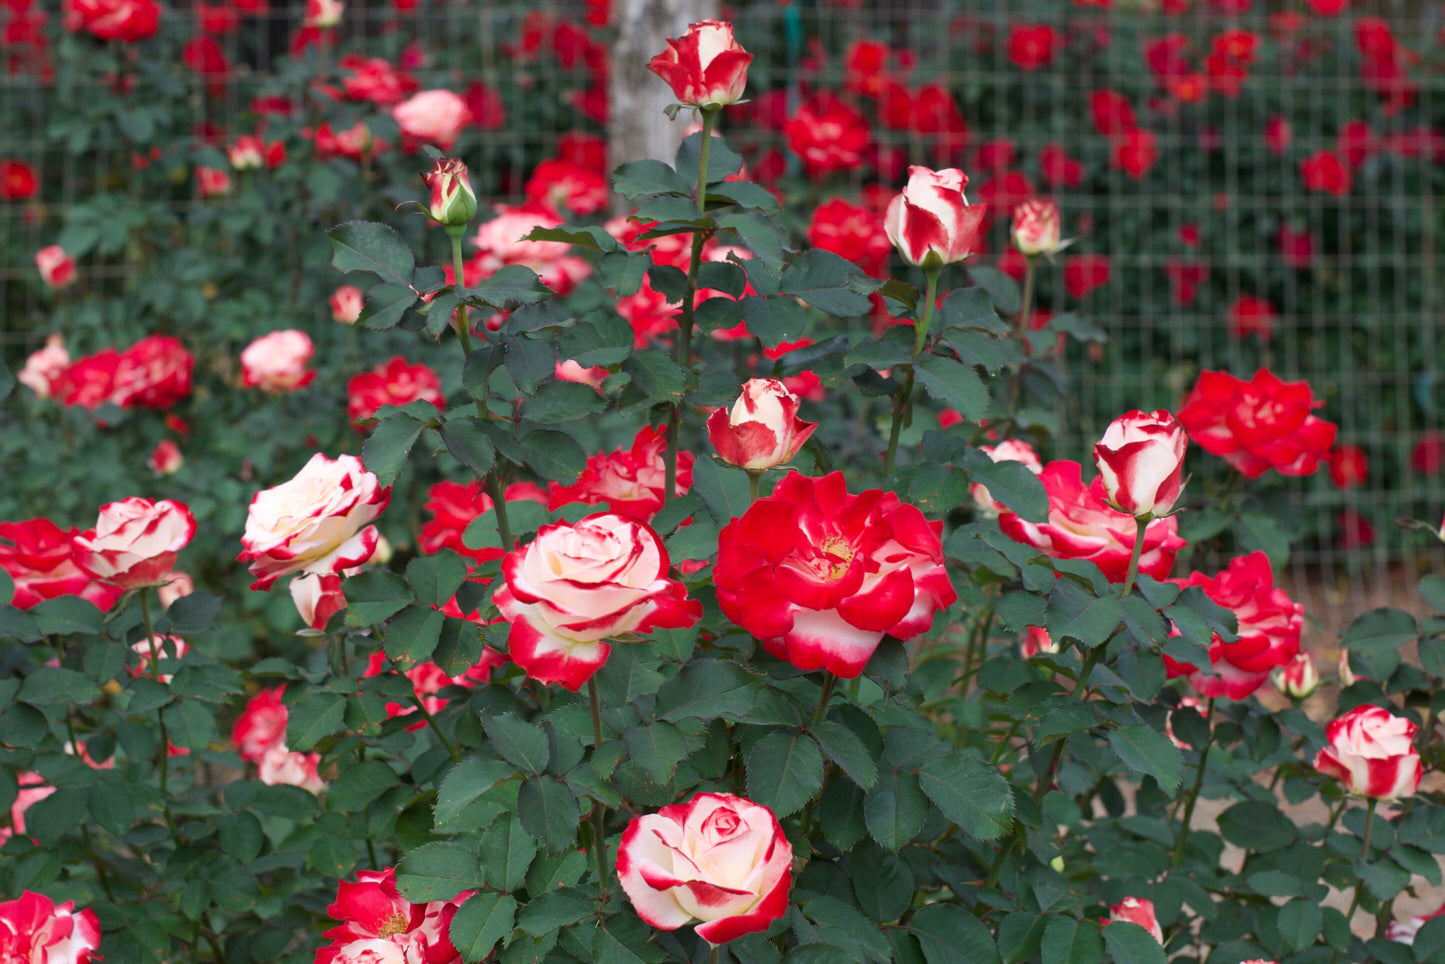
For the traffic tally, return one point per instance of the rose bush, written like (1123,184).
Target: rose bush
(678,590)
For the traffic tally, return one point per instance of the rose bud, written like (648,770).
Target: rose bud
(1371,751)
(1140,459)
(166,458)
(135,541)
(718,859)
(318,597)
(706,68)
(44,368)
(212,181)
(578,585)
(173,586)
(346,303)
(1036,228)
(930,221)
(246,154)
(1348,677)
(276,362)
(452,202)
(1297,679)
(762,429)
(57,269)
(1136,910)
(317,522)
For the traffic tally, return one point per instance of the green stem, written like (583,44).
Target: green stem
(1081,692)
(599,812)
(901,405)
(930,295)
(1360,881)
(498,493)
(754,478)
(709,118)
(1141,525)
(903,402)
(712,957)
(431,721)
(1021,329)
(463,329)
(829,681)
(1194,791)
(163,761)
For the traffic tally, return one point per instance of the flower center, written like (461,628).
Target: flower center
(837,553)
(396,924)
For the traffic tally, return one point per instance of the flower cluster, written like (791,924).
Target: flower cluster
(155,372)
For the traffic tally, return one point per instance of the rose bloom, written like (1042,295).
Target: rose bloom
(374,79)
(1036,228)
(1371,751)
(852,232)
(718,859)
(563,184)
(318,597)
(1058,168)
(165,458)
(282,767)
(354,142)
(1009,450)
(706,67)
(1136,910)
(630,481)
(135,541)
(453,506)
(323,13)
(261,725)
(1140,460)
(1082,526)
(1269,629)
(175,585)
(432,116)
(212,181)
(250,152)
(276,362)
(1257,425)
(819,575)
(930,221)
(316,522)
(1134,152)
(1249,315)
(762,429)
(346,303)
(1298,678)
(576,586)
(1086,272)
(57,269)
(827,134)
(155,372)
(499,243)
(1032,47)
(1349,467)
(395,382)
(1323,171)
(379,926)
(39,558)
(17,181)
(568,370)
(44,368)
(36,930)
(124,20)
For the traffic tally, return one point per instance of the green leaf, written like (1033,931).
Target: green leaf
(1128,943)
(1075,614)
(1300,922)
(657,375)
(465,784)
(1003,289)
(657,748)
(846,748)
(480,923)
(190,724)
(374,595)
(386,305)
(1432,590)
(774,318)
(599,338)
(358,784)
(971,793)
(435,579)
(372,247)
(894,810)
(553,911)
(1258,530)
(948,933)
(549,812)
(785,770)
(66,615)
(970,309)
(557,402)
(511,285)
(1145,750)
(468,444)
(554,456)
(639,178)
(507,851)
(519,742)
(529,361)
(439,871)
(1009,483)
(1380,630)
(1068,941)
(722,161)
(412,635)
(315,716)
(845,927)
(1429,943)
(954,384)
(1257,826)
(388,445)
(706,689)
(722,488)
(759,234)
(882,882)
(821,279)
(54,684)
(744,194)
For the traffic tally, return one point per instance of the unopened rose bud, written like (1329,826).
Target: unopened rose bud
(1297,679)
(1036,228)
(166,458)
(452,202)
(1136,910)
(1140,459)
(706,67)
(346,303)
(761,429)
(930,221)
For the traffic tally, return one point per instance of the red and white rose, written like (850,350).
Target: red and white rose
(1141,461)
(1372,752)
(1136,910)
(706,67)
(276,362)
(762,429)
(36,930)
(346,303)
(135,541)
(931,222)
(432,117)
(631,481)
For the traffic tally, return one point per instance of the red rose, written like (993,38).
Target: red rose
(57,269)
(374,79)
(1141,460)
(427,679)
(155,372)
(1297,248)
(38,556)
(706,67)
(1031,47)
(124,20)
(33,928)
(1082,526)
(1428,454)
(1257,425)
(630,481)
(1324,171)
(1349,467)
(1251,316)
(820,575)
(1277,135)
(762,429)
(852,232)
(453,506)
(165,458)
(1269,629)
(17,181)
(827,134)
(718,859)
(1371,751)
(395,382)
(1085,272)
(379,926)
(1058,168)
(88,382)
(563,184)
(577,586)
(1112,113)
(135,541)
(1133,152)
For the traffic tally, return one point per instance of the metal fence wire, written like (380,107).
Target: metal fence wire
(1225,248)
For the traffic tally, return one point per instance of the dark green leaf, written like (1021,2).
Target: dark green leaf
(358,784)
(949,933)
(785,770)
(821,279)
(468,444)
(371,247)
(971,793)
(519,742)
(1068,941)
(846,748)
(389,444)
(374,595)
(1129,943)
(507,852)
(439,871)
(657,375)
(412,635)
(955,384)
(894,810)
(549,812)
(1145,750)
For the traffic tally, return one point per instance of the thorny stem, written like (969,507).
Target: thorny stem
(599,812)
(1198,783)
(463,329)
(903,402)
(829,681)
(163,762)
(431,721)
